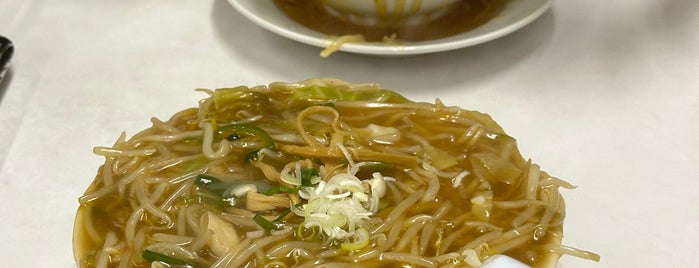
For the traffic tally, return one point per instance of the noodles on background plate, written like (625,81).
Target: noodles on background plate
(319,173)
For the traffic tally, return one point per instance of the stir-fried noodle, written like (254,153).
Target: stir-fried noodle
(320,172)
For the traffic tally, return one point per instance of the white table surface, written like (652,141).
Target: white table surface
(602,93)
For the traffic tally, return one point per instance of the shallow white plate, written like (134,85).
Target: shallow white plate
(517,14)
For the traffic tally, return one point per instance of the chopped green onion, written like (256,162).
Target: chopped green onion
(154,256)
(306,175)
(246,130)
(264,223)
(281,189)
(203,180)
(211,183)
(281,216)
(287,211)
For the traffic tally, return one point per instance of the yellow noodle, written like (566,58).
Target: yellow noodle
(397,211)
(105,151)
(125,260)
(525,216)
(164,126)
(170,137)
(408,258)
(130,229)
(337,42)
(131,164)
(154,188)
(146,202)
(285,248)
(101,192)
(483,239)
(519,203)
(240,257)
(107,172)
(562,249)
(409,235)
(171,239)
(103,256)
(425,237)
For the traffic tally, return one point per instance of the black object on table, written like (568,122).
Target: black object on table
(6,51)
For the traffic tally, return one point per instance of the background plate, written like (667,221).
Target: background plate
(516,15)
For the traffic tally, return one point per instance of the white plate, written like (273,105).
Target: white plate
(517,14)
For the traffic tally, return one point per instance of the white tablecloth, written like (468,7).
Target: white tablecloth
(602,93)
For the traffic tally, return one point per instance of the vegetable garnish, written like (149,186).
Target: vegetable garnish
(340,206)
(360,240)
(233,193)
(300,176)
(323,93)
(307,174)
(281,189)
(265,224)
(158,257)
(211,183)
(282,216)
(238,98)
(235,132)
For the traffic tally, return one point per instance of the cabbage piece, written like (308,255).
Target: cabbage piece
(323,93)
(493,168)
(440,159)
(227,101)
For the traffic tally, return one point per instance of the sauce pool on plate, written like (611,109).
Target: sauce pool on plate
(464,16)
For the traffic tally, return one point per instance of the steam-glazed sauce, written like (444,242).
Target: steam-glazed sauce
(464,16)
(455,187)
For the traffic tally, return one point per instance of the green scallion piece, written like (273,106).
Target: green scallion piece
(155,256)
(306,175)
(281,189)
(240,131)
(264,223)
(211,183)
(281,216)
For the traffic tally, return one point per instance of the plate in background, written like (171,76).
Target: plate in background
(515,15)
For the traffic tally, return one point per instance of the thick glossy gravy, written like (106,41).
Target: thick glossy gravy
(149,198)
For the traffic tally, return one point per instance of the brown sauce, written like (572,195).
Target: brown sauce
(112,212)
(465,15)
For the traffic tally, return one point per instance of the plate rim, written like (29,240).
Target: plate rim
(518,13)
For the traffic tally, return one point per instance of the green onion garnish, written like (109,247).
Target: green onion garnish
(281,216)
(264,223)
(306,175)
(211,183)
(281,189)
(154,256)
